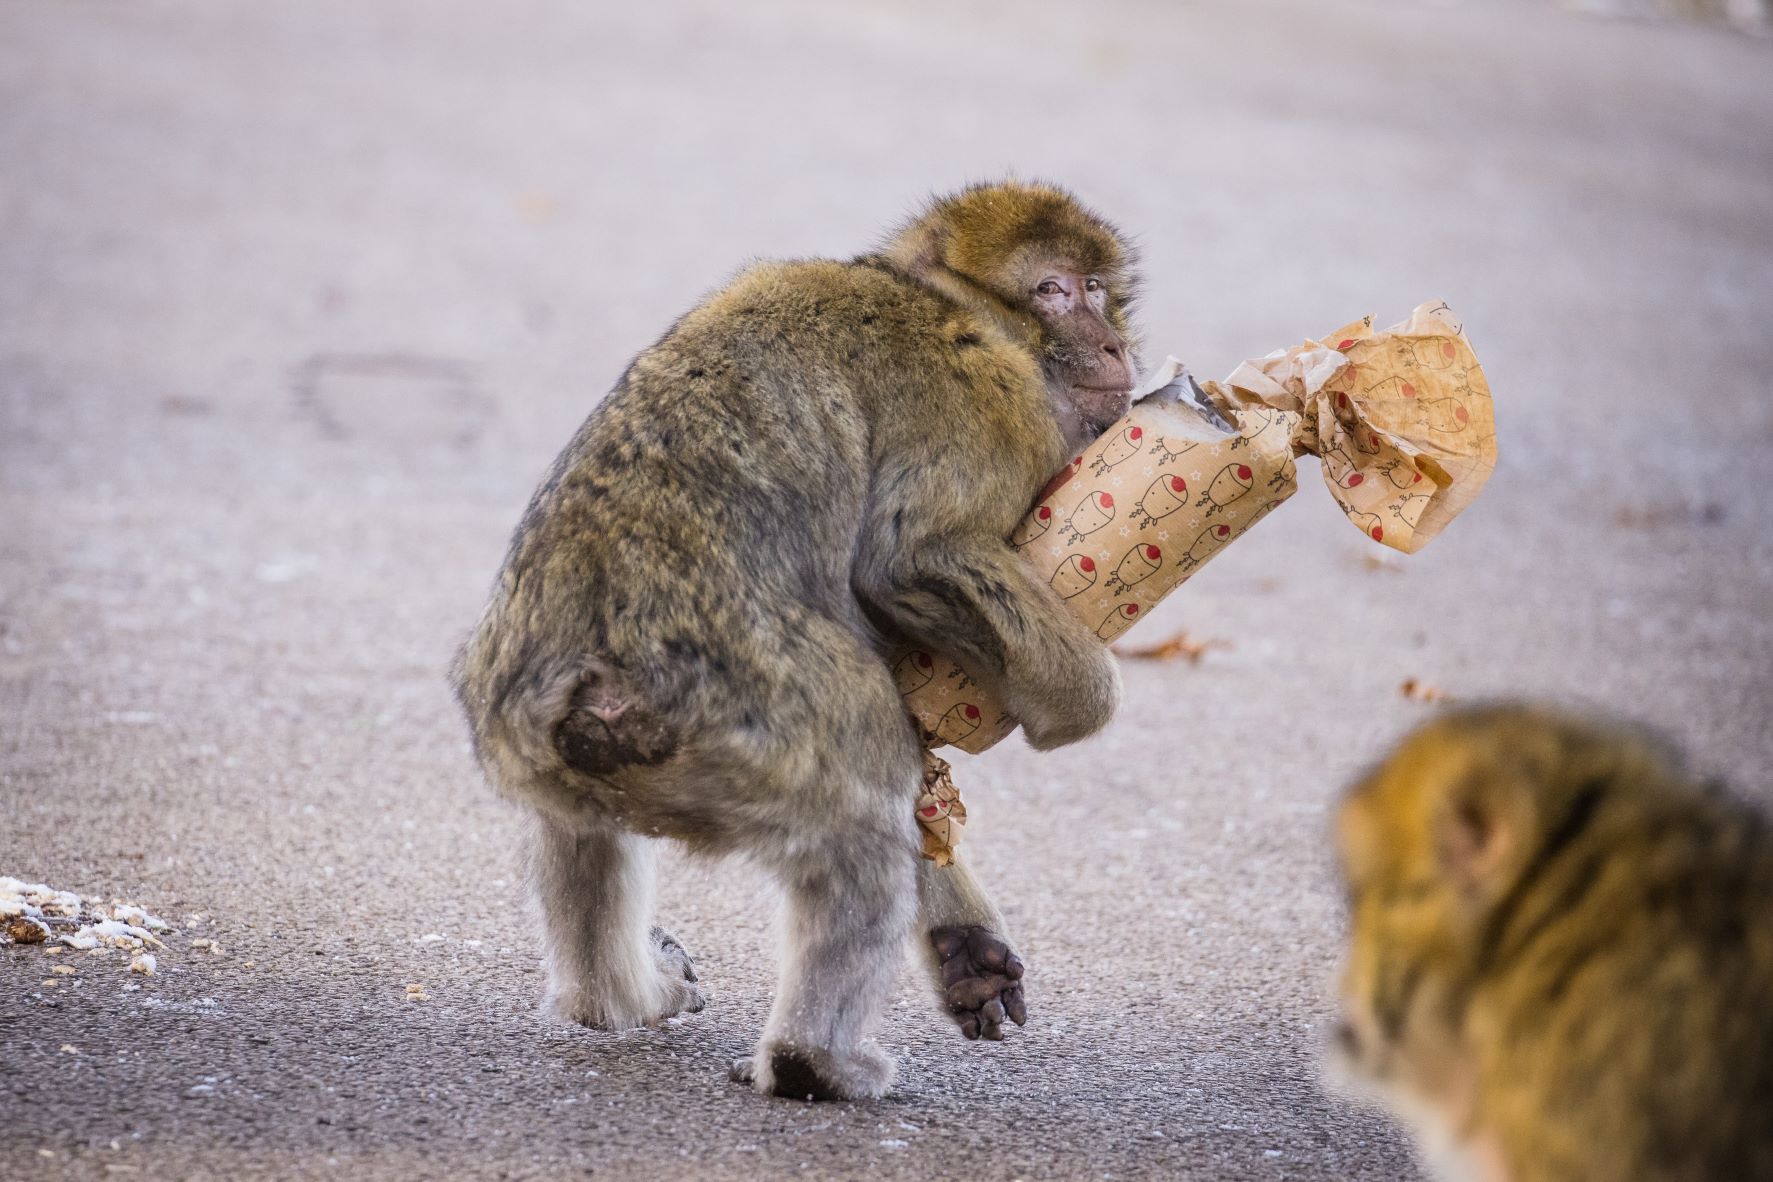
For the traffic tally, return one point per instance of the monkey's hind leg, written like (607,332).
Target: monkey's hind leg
(608,966)
(848,911)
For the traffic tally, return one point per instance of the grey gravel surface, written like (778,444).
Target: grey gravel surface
(298,301)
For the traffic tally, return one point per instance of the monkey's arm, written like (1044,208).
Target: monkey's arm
(976,971)
(949,896)
(976,600)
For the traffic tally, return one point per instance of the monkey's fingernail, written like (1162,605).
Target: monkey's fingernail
(1015,1006)
(1013,967)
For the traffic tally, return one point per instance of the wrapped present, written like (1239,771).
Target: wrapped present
(1400,420)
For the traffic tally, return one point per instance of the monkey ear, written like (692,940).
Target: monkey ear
(1481,825)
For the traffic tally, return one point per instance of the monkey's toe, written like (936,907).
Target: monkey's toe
(673,954)
(743,1070)
(981,980)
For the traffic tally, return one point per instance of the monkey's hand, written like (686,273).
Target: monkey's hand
(1073,702)
(980,979)
(982,604)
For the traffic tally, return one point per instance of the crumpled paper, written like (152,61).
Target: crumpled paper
(1401,420)
(940,813)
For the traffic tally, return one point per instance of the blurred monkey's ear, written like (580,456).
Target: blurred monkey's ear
(1482,824)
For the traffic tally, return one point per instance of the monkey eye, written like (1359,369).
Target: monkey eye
(1049,287)
(1093,284)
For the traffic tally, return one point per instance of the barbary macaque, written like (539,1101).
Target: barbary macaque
(1561,962)
(686,640)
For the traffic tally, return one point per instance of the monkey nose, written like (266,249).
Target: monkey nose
(1112,348)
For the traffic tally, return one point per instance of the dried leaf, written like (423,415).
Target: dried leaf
(1180,645)
(1421,691)
(1661,516)
(22,929)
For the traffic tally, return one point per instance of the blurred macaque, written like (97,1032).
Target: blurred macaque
(1561,958)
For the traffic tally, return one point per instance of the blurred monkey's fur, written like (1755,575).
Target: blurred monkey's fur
(1561,963)
(685,640)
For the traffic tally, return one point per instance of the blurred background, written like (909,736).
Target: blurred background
(298,301)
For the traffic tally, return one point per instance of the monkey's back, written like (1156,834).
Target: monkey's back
(700,530)
(1623,1020)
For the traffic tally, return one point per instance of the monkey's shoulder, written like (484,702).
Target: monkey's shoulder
(853,304)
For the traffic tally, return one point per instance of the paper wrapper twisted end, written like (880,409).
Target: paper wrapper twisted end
(940,813)
(1400,418)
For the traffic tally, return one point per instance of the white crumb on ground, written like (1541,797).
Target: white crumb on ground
(67,921)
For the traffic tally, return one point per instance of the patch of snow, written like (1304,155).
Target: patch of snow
(115,932)
(68,922)
(35,899)
(129,913)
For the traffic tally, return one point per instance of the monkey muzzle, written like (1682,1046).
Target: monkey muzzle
(1101,407)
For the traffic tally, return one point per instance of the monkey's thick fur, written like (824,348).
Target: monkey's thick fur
(685,638)
(1562,954)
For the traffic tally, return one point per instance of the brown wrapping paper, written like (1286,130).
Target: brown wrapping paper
(940,813)
(1400,419)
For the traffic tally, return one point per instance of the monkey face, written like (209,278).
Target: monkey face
(1088,363)
(1059,278)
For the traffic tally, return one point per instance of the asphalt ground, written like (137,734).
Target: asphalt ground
(297,302)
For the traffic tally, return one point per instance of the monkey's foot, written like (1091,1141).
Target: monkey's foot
(679,974)
(673,992)
(981,980)
(800,1073)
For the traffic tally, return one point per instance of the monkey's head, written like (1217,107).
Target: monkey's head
(1443,843)
(1054,275)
